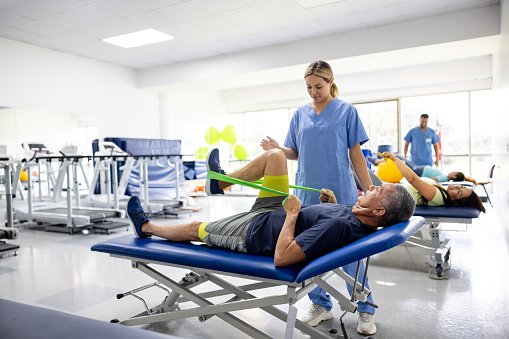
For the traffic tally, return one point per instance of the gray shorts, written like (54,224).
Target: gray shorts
(230,232)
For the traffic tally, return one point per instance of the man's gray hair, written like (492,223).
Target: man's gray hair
(399,207)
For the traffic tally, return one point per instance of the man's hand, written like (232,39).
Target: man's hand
(327,196)
(437,162)
(292,205)
(287,250)
(269,143)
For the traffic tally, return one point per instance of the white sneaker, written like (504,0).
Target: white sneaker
(366,324)
(316,315)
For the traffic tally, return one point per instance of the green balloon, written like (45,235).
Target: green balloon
(240,152)
(201,153)
(212,135)
(229,135)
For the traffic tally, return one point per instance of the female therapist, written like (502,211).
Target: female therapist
(324,136)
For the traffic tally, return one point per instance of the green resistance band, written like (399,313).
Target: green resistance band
(255,184)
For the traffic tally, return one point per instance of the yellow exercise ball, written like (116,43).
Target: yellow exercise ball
(212,135)
(389,172)
(229,135)
(201,153)
(23,176)
(240,152)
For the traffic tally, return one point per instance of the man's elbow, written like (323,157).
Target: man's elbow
(288,259)
(280,261)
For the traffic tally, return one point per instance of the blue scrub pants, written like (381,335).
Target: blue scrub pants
(418,169)
(320,297)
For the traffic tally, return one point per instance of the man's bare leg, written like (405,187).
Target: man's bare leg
(143,228)
(272,162)
(181,232)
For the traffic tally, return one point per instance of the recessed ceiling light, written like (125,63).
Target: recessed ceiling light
(145,37)
(315,3)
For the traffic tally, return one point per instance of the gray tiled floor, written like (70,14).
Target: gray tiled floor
(58,270)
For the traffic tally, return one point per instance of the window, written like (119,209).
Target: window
(380,120)
(448,114)
(258,125)
(461,118)
(482,107)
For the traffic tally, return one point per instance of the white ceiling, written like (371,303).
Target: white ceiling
(202,28)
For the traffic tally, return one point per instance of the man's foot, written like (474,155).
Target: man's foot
(137,216)
(365,323)
(316,315)
(211,185)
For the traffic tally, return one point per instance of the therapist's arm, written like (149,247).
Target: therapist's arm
(269,143)
(437,161)
(360,166)
(405,150)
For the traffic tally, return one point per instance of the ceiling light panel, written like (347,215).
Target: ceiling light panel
(140,38)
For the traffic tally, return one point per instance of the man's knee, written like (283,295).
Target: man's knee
(276,163)
(276,154)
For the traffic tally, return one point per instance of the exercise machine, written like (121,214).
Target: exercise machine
(8,233)
(68,218)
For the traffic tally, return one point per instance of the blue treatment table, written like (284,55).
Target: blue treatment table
(206,263)
(434,216)
(22,321)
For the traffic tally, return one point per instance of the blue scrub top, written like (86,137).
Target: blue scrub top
(322,143)
(420,150)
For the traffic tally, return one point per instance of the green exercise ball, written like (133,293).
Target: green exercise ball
(229,135)
(212,135)
(201,153)
(240,152)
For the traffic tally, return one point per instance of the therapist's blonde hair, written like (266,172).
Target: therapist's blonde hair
(322,69)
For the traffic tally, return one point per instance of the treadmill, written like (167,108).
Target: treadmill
(9,232)
(68,218)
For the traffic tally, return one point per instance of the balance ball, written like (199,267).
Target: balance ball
(389,172)
(240,152)
(201,153)
(229,135)
(212,135)
(23,176)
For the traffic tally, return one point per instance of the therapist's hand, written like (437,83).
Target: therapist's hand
(269,143)
(437,162)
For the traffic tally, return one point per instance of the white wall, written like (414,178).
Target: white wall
(385,62)
(187,115)
(500,128)
(464,25)
(41,79)
(473,73)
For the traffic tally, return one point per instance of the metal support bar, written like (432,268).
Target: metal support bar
(29,198)
(8,194)
(69,197)
(206,306)
(76,185)
(177,177)
(345,303)
(114,183)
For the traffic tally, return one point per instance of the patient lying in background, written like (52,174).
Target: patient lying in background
(425,171)
(427,192)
